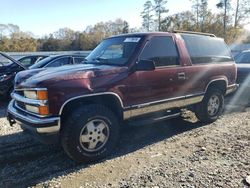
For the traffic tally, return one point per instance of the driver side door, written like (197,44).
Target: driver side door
(162,83)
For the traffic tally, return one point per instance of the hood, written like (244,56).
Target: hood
(13,60)
(32,78)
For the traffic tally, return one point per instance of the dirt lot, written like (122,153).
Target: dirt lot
(176,153)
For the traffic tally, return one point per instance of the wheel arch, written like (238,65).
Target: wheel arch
(108,99)
(220,84)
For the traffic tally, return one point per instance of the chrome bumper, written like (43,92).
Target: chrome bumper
(40,125)
(232,88)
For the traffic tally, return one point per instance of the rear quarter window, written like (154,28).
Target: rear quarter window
(206,49)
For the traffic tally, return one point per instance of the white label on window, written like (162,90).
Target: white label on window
(132,39)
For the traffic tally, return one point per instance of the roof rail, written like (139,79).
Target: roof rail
(196,33)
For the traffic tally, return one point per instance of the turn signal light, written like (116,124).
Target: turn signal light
(43,110)
(42,95)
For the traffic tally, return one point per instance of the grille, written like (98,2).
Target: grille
(20,105)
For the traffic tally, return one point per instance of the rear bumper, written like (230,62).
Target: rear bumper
(232,88)
(45,125)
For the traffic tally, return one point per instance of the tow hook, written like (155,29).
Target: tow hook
(11,121)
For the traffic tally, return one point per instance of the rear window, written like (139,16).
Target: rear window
(204,49)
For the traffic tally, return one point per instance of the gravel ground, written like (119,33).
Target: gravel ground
(176,153)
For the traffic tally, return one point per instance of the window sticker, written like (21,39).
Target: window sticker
(132,39)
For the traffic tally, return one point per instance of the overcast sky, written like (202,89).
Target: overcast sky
(46,16)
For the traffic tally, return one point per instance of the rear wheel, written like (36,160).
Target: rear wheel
(211,106)
(90,133)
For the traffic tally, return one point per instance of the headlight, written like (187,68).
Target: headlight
(41,110)
(37,95)
(33,109)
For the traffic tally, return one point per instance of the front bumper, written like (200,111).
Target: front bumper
(41,125)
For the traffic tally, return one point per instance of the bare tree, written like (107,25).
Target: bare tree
(200,8)
(242,12)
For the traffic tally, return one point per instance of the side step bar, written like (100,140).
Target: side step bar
(146,121)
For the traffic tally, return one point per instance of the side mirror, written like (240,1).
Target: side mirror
(145,65)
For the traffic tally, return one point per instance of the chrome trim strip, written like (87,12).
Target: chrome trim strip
(91,95)
(28,112)
(53,129)
(29,101)
(31,119)
(171,103)
(31,89)
(163,100)
(153,102)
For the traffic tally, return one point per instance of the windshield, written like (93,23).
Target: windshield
(114,51)
(41,63)
(243,58)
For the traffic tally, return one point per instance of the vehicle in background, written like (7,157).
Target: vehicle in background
(243,67)
(27,61)
(58,60)
(9,67)
(136,78)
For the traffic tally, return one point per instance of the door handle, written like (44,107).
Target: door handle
(182,76)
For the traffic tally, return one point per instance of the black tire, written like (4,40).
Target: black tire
(77,124)
(203,112)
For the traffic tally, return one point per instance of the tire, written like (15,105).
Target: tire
(90,133)
(211,106)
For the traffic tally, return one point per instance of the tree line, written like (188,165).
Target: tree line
(227,22)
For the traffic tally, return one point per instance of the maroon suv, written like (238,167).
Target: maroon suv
(137,78)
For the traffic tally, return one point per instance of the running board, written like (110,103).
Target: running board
(146,121)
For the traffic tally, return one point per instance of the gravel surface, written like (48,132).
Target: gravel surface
(176,153)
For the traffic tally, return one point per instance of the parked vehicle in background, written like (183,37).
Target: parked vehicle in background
(27,61)
(9,67)
(58,60)
(243,67)
(134,78)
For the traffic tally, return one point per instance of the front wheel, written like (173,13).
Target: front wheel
(90,133)
(211,106)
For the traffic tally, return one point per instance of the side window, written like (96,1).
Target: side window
(206,49)
(59,62)
(27,61)
(78,60)
(162,51)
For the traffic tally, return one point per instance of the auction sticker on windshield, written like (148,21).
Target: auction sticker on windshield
(132,39)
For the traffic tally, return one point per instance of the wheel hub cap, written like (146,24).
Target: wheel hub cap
(213,105)
(94,135)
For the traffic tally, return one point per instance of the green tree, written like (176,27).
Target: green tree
(160,8)
(147,15)
(226,6)
(125,28)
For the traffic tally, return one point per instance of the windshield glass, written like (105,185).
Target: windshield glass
(114,51)
(41,63)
